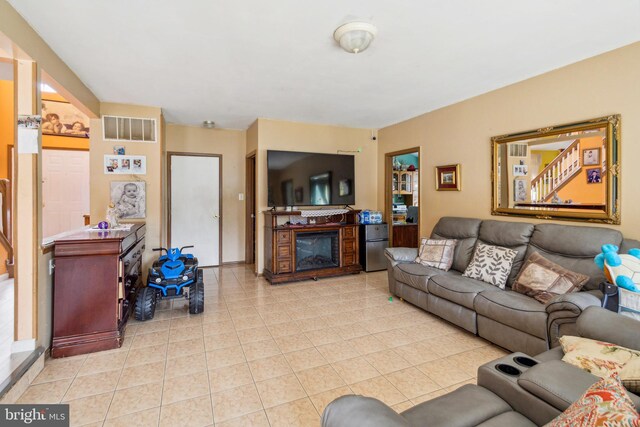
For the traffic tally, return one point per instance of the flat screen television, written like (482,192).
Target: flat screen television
(310,179)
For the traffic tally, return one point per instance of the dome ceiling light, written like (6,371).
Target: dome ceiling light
(354,37)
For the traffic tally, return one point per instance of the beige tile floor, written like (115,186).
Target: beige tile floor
(263,355)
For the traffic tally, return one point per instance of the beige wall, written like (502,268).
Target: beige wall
(460,133)
(230,144)
(28,41)
(282,135)
(100,182)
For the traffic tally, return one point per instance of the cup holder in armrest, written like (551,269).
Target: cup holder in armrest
(525,361)
(508,369)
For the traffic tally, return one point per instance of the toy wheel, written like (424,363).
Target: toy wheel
(145,304)
(196,295)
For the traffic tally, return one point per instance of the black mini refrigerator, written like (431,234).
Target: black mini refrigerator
(374,239)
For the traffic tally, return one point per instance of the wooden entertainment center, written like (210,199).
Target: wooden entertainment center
(298,247)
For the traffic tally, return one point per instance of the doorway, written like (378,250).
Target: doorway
(195,204)
(64,210)
(250,204)
(402,197)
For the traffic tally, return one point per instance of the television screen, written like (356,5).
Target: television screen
(310,179)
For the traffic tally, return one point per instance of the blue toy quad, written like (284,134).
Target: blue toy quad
(169,276)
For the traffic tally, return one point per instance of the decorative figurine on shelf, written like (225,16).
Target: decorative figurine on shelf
(556,198)
(103,225)
(112,215)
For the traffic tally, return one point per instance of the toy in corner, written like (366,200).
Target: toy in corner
(623,270)
(173,275)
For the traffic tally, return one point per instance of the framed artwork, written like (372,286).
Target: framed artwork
(519,190)
(448,178)
(134,165)
(594,176)
(344,188)
(519,170)
(129,198)
(63,119)
(299,194)
(591,156)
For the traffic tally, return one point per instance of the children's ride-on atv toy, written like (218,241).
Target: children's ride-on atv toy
(169,276)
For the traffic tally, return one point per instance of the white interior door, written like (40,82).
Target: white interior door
(195,206)
(65,190)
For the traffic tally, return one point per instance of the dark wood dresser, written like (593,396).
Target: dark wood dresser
(96,278)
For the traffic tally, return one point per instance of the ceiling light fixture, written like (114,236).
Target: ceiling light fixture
(209,124)
(354,37)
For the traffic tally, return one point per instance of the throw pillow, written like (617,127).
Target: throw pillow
(436,253)
(542,279)
(491,264)
(599,358)
(630,375)
(605,403)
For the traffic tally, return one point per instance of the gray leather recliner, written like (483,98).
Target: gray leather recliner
(504,317)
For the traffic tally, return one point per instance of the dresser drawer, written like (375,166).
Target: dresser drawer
(284,251)
(284,266)
(348,246)
(348,232)
(348,259)
(283,237)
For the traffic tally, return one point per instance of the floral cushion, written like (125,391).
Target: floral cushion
(605,403)
(436,253)
(599,358)
(491,264)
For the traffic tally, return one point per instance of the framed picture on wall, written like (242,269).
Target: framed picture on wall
(129,199)
(448,178)
(591,156)
(134,165)
(519,190)
(64,119)
(594,176)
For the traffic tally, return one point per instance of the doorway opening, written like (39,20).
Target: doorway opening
(250,206)
(195,205)
(402,197)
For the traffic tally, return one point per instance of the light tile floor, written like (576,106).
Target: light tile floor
(263,355)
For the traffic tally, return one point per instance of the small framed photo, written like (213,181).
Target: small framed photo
(594,176)
(129,198)
(119,150)
(135,165)
(448,178)
(591,156)
(519,170)
(298,194)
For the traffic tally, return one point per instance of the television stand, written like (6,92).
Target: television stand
(297,250)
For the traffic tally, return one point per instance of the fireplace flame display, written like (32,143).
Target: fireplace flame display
(316,250)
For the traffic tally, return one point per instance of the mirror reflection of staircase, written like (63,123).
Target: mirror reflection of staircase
(5,224)
(556,174)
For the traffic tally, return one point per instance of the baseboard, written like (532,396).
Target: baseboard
(229,263)
(23,345)
(4,276)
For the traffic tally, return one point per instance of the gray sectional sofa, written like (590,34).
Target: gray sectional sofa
(507,318)
(528,396)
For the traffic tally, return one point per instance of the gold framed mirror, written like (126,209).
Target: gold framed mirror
(569,172)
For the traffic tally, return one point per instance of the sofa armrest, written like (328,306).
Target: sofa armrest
(400,255)
(563,311)
(557,383)
(604,325)
(360,411)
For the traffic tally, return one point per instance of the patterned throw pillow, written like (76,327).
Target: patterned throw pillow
(542,279)
(436,253)
(491,264)
(599,358)
(605,403)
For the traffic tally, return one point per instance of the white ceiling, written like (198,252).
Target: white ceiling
(233,61)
